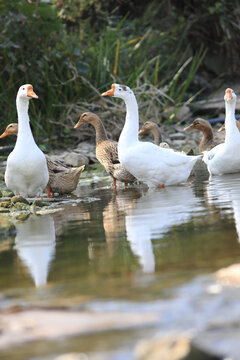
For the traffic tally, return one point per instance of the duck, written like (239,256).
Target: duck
(150,126)
(223,158)
(222,128)
(62,179)
(106,150)
(26,171)
(149,163)
(207,141)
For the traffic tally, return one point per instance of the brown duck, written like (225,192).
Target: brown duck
(207,142)
(152,128)
(62,179)
(106,150)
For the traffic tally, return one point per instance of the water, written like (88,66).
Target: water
(133,252)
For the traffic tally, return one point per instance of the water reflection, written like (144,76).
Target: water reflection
(35,245)
(152,215)
(223,192)
(114,214)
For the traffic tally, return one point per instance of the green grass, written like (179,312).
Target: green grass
(65,66)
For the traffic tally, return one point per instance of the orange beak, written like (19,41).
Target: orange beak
(79,123)
(31,93)
(4,134)
(109,92)
(222,128)
(229,94)
(141,132)
(188,128)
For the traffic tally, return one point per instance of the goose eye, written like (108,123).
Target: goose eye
(23,88)
(120,89)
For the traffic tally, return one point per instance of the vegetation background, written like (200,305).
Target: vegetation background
(170,52)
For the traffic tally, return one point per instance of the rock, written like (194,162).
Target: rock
(4,210)
(76,159)
(177,136)
(174,347)
(51,324)
(40,203)
(23,217)
(20,206)
(182,114)
(5,204)
(229,276)
(5,193)
(19,199)
(6,226)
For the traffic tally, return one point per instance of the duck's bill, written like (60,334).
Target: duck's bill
(4,134)
(188,128)
(229,94)
(222,128)
(79,123)
(31,93)
(141,132)
(109,92)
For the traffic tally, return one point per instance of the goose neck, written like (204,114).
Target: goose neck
(230,121)
(131,126)
(24,130)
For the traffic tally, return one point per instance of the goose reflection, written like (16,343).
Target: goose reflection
(114,213)
(153,215)
(35,245)
(223,192)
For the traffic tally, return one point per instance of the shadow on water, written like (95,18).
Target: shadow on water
(100,249)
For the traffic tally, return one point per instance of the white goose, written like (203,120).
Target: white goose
(149,163)
(26,172)
(224,158)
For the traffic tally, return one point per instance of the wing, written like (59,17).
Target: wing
(157,155)
(209,155)
(107,154)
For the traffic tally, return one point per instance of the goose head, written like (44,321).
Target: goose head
(11,129)
(26,92)
(230,96)
(147,126)
(198,124)
(87,118)
(120,91)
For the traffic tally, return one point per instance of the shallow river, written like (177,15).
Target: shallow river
(132,252)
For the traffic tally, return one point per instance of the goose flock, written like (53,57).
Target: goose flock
(30,173)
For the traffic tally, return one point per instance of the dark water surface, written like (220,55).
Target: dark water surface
(118,252)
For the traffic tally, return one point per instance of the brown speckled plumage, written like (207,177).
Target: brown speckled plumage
(106,150)
(63,179)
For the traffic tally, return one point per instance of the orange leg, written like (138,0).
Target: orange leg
(125,185)
(161,186)
(48,192)
(115,186)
